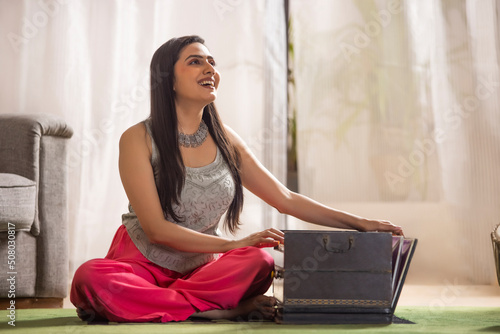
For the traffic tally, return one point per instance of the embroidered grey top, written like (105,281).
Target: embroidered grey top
(207,193)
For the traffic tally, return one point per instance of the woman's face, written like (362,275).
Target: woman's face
(195,77)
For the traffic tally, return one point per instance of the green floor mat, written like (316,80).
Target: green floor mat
(426,320)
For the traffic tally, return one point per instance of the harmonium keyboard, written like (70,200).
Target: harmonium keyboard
(340,277)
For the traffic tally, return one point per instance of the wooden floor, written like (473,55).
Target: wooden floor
(450,295)
(24,303)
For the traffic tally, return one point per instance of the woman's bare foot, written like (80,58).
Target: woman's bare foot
(256,308)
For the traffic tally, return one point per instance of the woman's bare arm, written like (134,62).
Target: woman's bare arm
(256,178)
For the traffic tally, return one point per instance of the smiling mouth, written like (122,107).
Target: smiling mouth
(207,83)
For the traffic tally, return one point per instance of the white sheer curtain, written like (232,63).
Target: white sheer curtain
(398,117)
(397,106)
(88,61)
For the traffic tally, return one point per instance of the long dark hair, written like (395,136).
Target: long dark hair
(164,131)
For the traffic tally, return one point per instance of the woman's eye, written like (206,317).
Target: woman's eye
(198,62)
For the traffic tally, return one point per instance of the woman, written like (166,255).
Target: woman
(182,169)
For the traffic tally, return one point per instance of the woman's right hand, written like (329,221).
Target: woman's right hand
(270,237)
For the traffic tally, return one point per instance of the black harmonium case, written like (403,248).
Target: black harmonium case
(340,277)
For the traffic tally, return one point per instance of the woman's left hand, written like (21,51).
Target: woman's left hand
(373,225)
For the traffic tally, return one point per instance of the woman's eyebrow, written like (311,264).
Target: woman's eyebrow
(198,56)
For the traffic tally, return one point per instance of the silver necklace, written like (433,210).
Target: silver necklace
(196,139)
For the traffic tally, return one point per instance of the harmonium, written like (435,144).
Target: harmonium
(339,277)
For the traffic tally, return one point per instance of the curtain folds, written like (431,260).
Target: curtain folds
(397,113)
(88,61)
(396,107)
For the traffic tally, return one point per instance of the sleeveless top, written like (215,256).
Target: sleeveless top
(206,195)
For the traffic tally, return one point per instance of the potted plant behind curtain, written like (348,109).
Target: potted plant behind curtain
(292,165)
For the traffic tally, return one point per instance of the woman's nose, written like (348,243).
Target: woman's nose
(209,68)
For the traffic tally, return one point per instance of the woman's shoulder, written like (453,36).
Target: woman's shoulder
(136,135)
(136,131)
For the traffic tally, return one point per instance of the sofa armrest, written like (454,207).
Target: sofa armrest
(20,138)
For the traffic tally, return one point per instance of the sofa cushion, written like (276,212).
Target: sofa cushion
(17,202)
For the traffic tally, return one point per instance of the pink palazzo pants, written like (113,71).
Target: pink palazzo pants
(127,287)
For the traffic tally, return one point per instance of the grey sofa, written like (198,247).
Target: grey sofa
(34,264)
